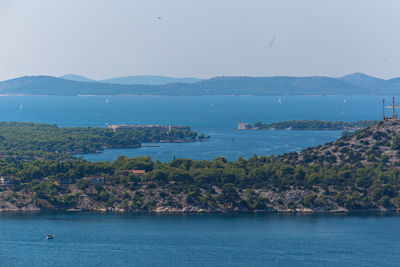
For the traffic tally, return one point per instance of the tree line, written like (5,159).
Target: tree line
(41,137)
(314,125)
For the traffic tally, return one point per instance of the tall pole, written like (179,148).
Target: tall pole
(383,109)
(394,110)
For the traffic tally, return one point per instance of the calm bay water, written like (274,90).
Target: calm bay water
(213,115)
(199,240)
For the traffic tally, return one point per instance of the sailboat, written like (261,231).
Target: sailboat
(280,101)
(21,107)
(107,101)
(344,101)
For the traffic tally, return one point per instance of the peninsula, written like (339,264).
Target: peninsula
(308,125)
(41,140)
(358,172)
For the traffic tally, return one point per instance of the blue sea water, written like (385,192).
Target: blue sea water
(204,240)
(216,116)
(199,240)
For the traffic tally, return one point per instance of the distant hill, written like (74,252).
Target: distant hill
(392,84)
(355,84)
(362,80)
(47,85)
(77,78)
(278,85)
(131,80)
(152,80)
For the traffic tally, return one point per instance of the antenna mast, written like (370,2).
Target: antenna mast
(383,108)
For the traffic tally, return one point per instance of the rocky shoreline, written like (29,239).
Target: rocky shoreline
(195,210)
(162,200)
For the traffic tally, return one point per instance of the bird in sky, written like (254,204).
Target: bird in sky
(271,43)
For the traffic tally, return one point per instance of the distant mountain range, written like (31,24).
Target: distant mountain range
(353,84)
(76,78)
(130,80)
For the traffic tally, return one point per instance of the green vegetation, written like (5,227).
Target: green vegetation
(396,142)
(358,172)
(39,139)
(314,125)
(211,185)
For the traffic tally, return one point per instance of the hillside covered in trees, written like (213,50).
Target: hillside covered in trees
(23,138)
(358,172)
(313,125)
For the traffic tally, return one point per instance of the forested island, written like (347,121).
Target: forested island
(359,172)
(309,125)
(40,140)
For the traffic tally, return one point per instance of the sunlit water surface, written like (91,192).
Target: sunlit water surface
(213,115)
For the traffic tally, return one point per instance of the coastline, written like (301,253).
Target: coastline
(177,141)
(198,211)
(302,129)
(192,95)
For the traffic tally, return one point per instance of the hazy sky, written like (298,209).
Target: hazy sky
(200,38)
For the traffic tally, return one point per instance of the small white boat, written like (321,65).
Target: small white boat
(280,101)
(49,236)
(21,107)
(107,101)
